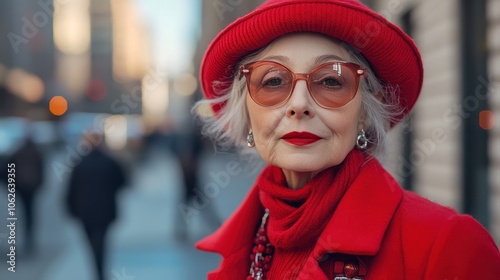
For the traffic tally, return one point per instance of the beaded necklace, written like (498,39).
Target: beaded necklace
(262,252)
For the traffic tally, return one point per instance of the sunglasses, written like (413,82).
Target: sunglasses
(331,85)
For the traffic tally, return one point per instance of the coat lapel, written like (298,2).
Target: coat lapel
(361,219)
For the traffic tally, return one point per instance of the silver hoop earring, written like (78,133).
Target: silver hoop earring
(361,141)
(250,141)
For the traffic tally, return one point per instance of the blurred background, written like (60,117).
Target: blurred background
(90,88)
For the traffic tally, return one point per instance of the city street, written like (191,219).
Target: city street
(150,240)
(416,86)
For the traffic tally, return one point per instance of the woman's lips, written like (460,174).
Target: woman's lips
(300,138)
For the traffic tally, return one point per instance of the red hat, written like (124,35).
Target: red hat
(391,53)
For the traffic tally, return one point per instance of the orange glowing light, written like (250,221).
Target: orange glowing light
(486,119)
(58,105)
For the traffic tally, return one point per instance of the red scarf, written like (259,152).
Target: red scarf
(297,217)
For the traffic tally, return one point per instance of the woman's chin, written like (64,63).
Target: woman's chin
(305,164)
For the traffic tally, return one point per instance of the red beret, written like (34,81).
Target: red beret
(391,53)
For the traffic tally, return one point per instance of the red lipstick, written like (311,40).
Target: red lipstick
(300,138)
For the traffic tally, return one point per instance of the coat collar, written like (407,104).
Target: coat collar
(363,215)
(357,227)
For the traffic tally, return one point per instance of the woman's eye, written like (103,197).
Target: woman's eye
(274,78)
(330,82)
(272,82)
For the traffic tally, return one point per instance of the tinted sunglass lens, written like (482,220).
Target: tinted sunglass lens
(333,85)
(270,84)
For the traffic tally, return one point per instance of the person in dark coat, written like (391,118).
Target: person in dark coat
(91,197)
(29,179)
(188,148)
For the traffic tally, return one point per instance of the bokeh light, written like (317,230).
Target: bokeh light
(185,84)
(155,95)
(115,132)
(72,26)
(96,90)
(58,105)
(486,119)
(25,85)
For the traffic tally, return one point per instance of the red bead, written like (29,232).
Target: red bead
(269,250)
(261,248)
(351,269)
(262,240)
(261,255)
(266,267)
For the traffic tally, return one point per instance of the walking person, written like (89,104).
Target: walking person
(188,148)
(91,197)
(29,179)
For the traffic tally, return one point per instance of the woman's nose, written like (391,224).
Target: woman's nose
(299,104)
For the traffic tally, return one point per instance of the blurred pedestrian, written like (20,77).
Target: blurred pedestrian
(91,196)
(188,147)
(29,179)
(295,83)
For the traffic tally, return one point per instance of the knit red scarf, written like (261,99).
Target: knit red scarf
(297,217)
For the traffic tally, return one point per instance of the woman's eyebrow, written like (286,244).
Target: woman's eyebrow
(318,60)
(279,58)
(328,57)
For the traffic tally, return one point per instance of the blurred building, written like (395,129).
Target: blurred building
(28,49)
(93,53)
(449,149)
(94,66)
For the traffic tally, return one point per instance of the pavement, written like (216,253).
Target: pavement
(152,239)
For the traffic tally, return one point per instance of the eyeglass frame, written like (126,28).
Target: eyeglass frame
(358,71)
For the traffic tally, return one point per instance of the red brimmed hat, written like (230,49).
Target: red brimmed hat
(391,53)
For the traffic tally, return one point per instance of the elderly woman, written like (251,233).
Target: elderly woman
(314,86)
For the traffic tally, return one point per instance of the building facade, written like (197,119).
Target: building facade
(69,46)
(449,149)
(27,45)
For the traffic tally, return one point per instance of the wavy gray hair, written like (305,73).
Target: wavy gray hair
(380,107)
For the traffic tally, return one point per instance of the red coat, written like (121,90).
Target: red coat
(396,233)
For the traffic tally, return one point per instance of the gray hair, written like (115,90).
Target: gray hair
(380,107)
